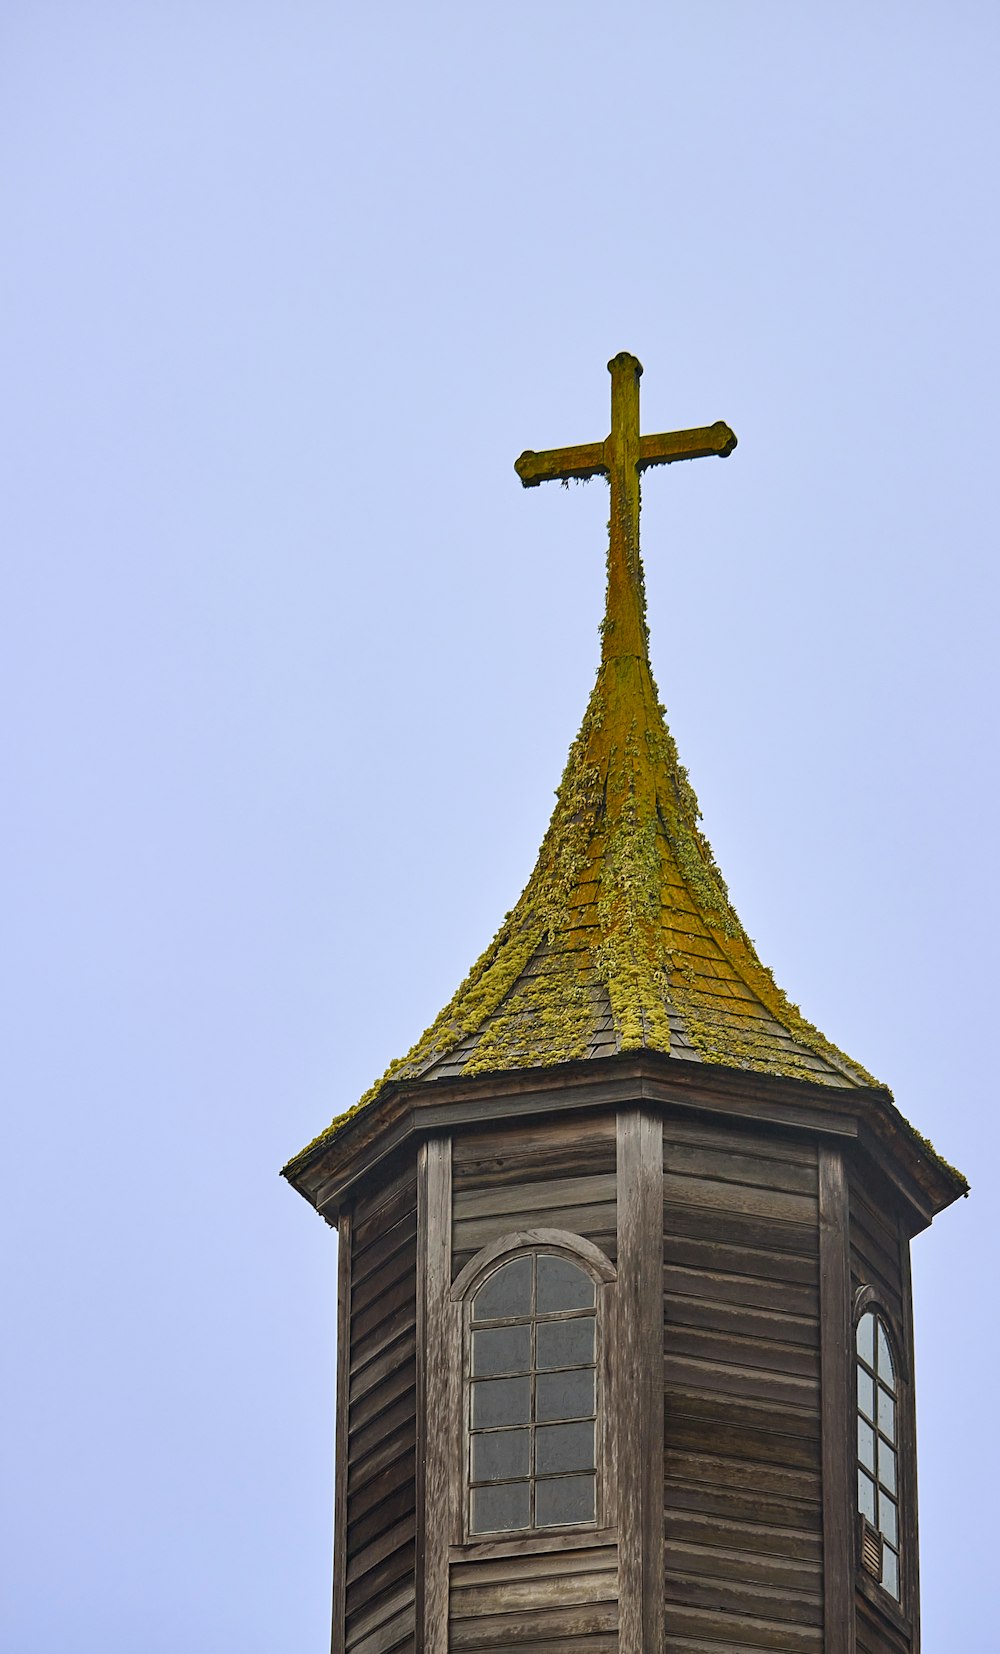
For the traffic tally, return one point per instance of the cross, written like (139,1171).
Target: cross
(621,457)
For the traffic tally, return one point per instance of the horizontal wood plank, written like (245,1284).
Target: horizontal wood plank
(537,1629)
(717,1632)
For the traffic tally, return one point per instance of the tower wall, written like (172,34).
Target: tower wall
(375,1569)
(743,1500)
(733,1254)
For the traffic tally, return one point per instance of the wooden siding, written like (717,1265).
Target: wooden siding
(381,1419)
(879,1260)
(742,1426)
(560,1175)
(561,1602)
(875,1244)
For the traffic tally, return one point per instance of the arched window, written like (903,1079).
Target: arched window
(532,1395)
(878,1452)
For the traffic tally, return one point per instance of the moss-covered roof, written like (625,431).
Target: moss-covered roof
(625,938)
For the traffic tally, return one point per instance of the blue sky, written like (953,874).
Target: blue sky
(291,664)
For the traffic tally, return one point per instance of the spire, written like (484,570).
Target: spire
(624,938)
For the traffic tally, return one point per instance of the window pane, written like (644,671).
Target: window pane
(565,1343)
(887,1517)
(866,1338)
(497,1509)
(890,1572)
(565,1395)
(506,1292)
(563,1285)
(565,1499)
(886,1414)
(866,1445)
(866,1394)
(501,1401)
(500,1455)
(501,1350)
(866,1496)
(885,1368)
(887,1467)
(564,1447)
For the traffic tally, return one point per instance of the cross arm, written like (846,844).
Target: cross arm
(560,464)
(698,444)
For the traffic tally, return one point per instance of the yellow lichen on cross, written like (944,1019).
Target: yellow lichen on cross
(621,457)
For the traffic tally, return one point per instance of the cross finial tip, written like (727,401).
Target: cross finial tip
(624,360)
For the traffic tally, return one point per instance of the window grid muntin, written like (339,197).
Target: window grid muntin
(877,1403)
(533,1318)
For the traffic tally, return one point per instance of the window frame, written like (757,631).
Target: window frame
(868,1300)
(583,1253)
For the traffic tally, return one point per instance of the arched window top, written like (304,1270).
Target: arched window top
(532,1393)
(878,1451)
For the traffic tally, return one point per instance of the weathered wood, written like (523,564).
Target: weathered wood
(838,1420)
(438,1393)
(909,1512)
(726,1378)
(531,1545)
(390,1242)
(640,1344)
(793,1485)
(762,1171)
(537,1628)
(770,1280)
(380,1456)
(543,1196)
(738,1229)
(731,1312)
(378,1635)
(394,1539)
(343,1417)
(564,1147)
(778,1545)
(755,1567)
(520,1596)
(713,1632)
(743,1596)
(377,1583)
(571,1559)
(713,1194)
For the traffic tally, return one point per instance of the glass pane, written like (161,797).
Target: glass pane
(497,1509)
(501,1401)
(565,1499)
(563,1447)
(887,1467)
(890,1572)
(565,1395)
(500,1455)
(866,1445)
(866,1496)
(866,1338)
(866,1393)
(501,1350)
(885,1368)
(887,1517)
(886,1414)
(565,1343)
(506,1292)
(563,1285)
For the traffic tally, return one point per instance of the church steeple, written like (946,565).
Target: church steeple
(624,1340)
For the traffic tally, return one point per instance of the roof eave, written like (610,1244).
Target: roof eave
(329,1168)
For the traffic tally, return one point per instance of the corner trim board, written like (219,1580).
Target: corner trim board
(640,1374)
(438,1410)
(838,1422)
